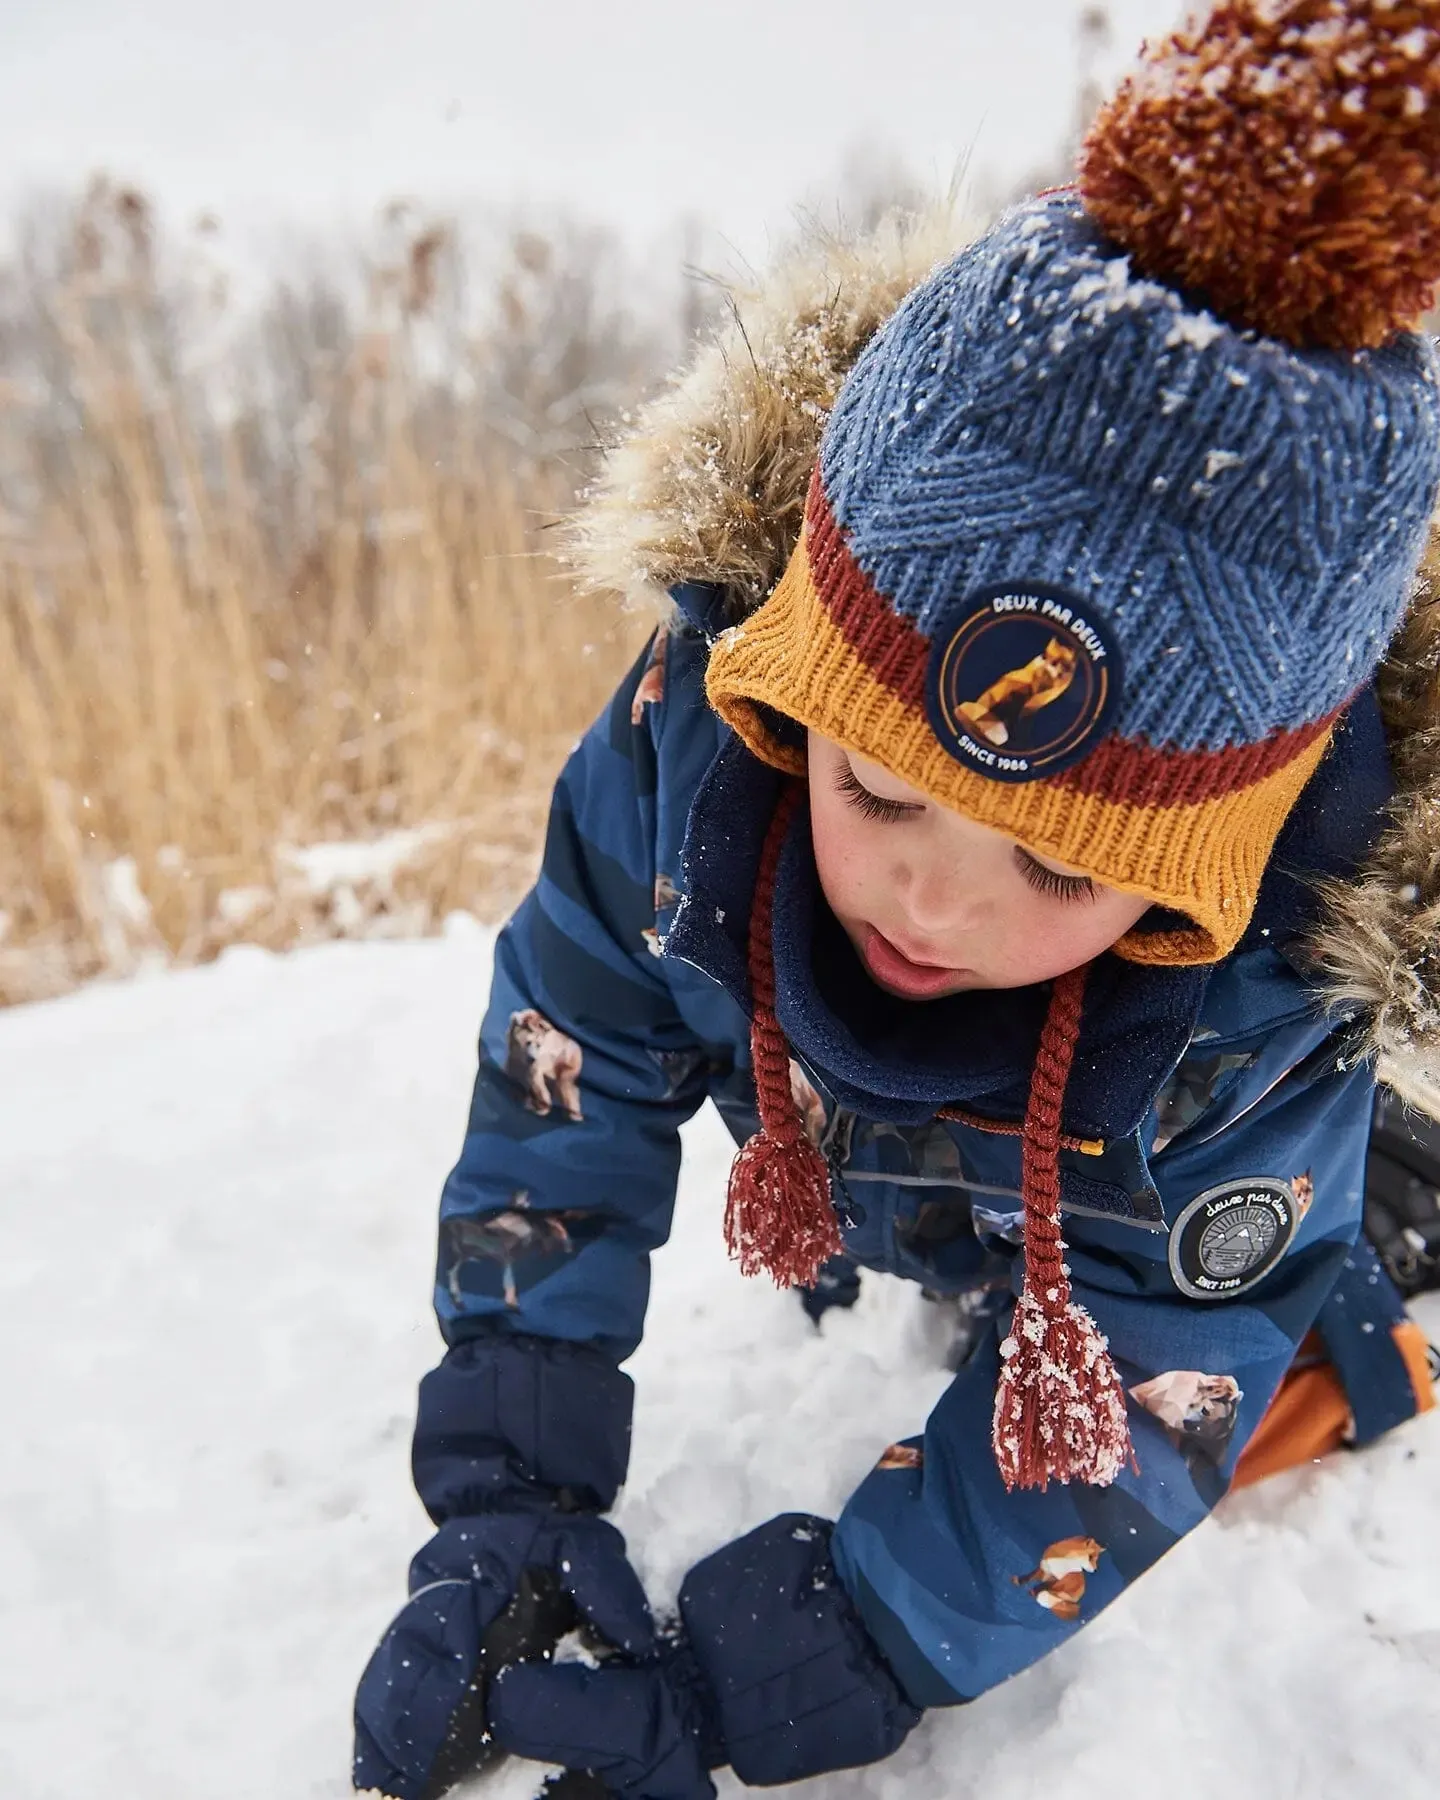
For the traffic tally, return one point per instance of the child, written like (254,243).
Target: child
(1027,870)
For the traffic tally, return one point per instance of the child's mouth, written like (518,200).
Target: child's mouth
(894,970)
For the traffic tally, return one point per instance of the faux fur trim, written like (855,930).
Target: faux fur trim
(709,485)
(1378,945)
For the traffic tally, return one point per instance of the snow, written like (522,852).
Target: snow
(325,867)
(216,1235)
(1198,330)
(1216,461)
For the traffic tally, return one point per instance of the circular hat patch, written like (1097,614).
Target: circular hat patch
(1024,684)
(1231,1237)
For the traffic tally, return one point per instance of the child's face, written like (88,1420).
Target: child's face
(935,903)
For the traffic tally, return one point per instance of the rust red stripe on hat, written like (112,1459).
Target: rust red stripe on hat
(1118,769)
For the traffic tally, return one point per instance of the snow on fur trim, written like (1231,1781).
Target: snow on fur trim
(709,483)
(1378,946)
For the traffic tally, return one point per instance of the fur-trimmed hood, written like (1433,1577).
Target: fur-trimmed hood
(709,486)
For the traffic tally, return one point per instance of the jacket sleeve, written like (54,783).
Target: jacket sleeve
(566,1180)
(963,1584)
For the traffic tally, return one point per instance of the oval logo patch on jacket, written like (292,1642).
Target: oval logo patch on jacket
(1230,1237)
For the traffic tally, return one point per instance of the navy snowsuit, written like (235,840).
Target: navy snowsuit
(1212,1202)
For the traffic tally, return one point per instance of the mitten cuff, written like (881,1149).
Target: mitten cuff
(506,1416)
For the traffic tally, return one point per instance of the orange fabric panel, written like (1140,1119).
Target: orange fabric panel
(1309,1416)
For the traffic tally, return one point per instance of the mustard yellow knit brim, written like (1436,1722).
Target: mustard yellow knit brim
(1203,859)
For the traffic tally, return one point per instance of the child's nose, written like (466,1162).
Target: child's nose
(937,905)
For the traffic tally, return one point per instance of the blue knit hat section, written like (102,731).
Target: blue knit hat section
(1245,516)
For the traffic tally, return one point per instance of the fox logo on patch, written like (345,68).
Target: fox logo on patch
(999,712)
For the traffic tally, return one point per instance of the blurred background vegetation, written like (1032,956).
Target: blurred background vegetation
(282,654)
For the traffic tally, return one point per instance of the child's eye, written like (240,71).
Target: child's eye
(870,804)
(1047,881)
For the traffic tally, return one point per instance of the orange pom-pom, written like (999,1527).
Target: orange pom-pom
(1281,158)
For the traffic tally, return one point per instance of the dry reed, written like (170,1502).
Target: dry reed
(258,607)
(205,674)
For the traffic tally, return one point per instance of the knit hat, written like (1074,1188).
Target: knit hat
(1110,523)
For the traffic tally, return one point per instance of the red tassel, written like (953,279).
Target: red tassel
(779,1216)
(1059,1404)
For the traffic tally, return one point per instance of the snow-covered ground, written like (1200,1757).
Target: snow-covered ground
(217,1193)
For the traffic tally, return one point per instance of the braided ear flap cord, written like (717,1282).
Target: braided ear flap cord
(778,1216)
(1059,1403)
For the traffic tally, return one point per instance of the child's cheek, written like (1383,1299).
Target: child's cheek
(841,857)
(1042,937)
(1027,937)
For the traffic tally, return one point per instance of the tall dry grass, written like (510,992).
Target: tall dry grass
(281,653)
(238,622)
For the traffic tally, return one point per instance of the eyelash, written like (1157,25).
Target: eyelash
(1048,881)
(1043,880)
(870,804)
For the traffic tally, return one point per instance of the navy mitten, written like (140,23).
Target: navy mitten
(773,1672)
(485,1593)
(642,1731)
(799,1685)
(520,1441)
